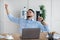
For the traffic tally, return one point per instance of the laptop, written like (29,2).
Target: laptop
(31,33)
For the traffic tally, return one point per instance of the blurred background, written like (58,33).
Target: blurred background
(52,8)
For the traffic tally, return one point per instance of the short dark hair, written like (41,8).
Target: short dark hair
(31,10)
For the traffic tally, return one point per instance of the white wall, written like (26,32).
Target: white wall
(1,16)
(56,15)
(15,7)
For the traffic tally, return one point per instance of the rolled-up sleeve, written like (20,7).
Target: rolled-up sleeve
(46,28)
(43,28)
(13,19)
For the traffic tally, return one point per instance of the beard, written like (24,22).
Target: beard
(29,16)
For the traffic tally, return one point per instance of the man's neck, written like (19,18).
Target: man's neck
(29,18)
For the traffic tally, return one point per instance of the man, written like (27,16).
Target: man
(25,23)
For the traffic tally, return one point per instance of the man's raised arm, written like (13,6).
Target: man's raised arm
(10,16)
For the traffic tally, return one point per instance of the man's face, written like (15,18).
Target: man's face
(30,13)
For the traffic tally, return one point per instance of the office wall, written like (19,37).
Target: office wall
(15,7)
(56,15)
(1,16)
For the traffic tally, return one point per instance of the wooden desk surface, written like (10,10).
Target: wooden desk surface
(17,37)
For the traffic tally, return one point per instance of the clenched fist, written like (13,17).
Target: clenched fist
(6,5)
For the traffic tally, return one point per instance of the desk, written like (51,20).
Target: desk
(17,37)
(42,37)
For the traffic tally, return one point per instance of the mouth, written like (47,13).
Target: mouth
(29,16)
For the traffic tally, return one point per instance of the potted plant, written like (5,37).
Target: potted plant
(42,10)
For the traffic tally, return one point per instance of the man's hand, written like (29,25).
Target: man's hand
(44,23)
(6,7)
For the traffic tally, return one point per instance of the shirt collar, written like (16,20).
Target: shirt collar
(30,19)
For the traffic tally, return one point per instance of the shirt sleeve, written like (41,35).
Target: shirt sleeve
(46,28)
(13,19)
(43,28)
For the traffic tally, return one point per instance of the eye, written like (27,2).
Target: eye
(27,12)
(30,12)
